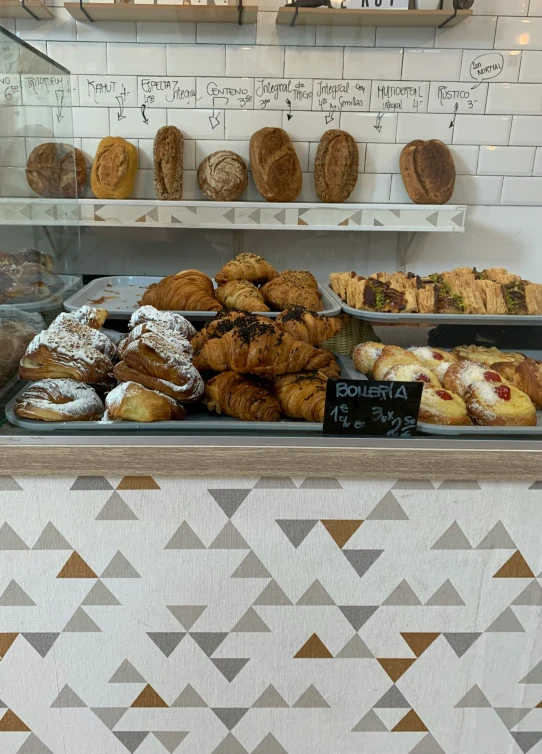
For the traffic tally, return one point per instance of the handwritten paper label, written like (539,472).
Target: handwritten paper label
(360,407)
(283,94)
(108,91)
(166,91)
(338,95)
(399,96)
(51,90)
(10,89)
(452,97)
(378,4)
(225,94)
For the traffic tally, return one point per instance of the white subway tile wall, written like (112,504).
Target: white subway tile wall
(477,87)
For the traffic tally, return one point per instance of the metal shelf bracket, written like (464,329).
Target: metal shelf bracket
(27,9)
(84,10)
(294,19)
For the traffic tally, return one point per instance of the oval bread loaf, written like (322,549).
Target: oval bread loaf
(336,166)
(223,176)
(275,165)
(428,171)
(56,170)
(114,169)
(168,157)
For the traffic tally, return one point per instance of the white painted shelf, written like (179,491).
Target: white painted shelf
(412,218)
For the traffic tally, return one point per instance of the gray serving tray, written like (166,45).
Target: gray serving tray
(385,318)
(122,293)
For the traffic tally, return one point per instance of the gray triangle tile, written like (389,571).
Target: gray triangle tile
(153,214)
(377,223)
(506,623)
(511,716)
(362,560)
(269,745)
(413,484)
(189,698)
(10,540)
(88,483)
(320,483)
(187,615)
(355,649)
(388,509)
(51,539)
(230,215)
(270,699)
(427,745)
(81,623)
(230,716)
(166,641)
(116,509)
(170,739)
(273,595)
(358,615)
(131,740)
(473,699)
(311,699)
(459,484)
(255,216)
(185,539)
(370,723)
(536,486)
(3,705)
(15,596)
(497,539)
(530,596)
(230,667)
(120,568)
(432,219)
(251,568)
(229,539)
(402,595)
(33,745)
(296,529)
(274,483)
(459,219)
(527,740)
(250,623)
(8,484)
(355,219)
(452,539)
(230,745)
(208,641)
(534,675)
(126,673)
(109,716)
(281,216)
(392,699)
(315,595)
(230,500)
(67,699)
(461,642)
(100,595)
(446,596)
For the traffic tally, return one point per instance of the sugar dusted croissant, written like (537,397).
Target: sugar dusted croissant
(132,402)
(88,315)
(171,320)
(246,266)
(255,348)
(177,342)
(302,324)
(280,293)
(241,294)
(189,290)
(66,325)
(59,400)
(302,395)
(243,397)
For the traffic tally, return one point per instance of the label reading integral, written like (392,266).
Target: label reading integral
(361,407)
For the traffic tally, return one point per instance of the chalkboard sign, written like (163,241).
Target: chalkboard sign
(361,407)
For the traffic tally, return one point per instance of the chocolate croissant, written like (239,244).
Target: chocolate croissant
(222,323)
(280,293)
(245,398)
(311,327)
(241,294)
(302,395)
(246,266)
(189,290)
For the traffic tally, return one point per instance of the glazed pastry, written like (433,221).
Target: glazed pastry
(336,166)
(246,266)
(499,405)
(89,316)
(223,176)
(439,406)
(462,374)
(133,402)
(156,364)
(223,322)
(255,348)
(311,327)
(59,400)
(177,342)
(56,170)
(428,171)
(171,320)
(14,340)
(114,169)
(373,295)
(241,294)
(485,355)
(411,373)
(500,275)
(364,356)
(338,282)
(302,395)
(189,290)
(435,359)
(168,154)
(428,298)
(302,277)
(526,375)
(275,165)
(243,397)
(515,298)
(533,299)
(280,293)
(492,296)
(392,356)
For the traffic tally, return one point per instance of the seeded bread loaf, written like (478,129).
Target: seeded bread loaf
(114,169)
(56,170)
(168,164)
(223,176)
(336,166)
(428,171)
(275,165)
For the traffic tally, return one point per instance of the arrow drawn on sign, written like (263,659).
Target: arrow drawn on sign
(289,115)
(59,93)
(145,119)
(214,119)
(121,99)
(378,124)
(456,108)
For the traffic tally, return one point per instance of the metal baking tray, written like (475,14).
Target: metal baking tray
(385,318)
(120,296)
(198,418)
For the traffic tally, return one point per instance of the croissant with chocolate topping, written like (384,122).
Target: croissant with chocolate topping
(302,324)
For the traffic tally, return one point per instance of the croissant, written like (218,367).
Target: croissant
(222,323)
(88,315)
(180,344)
(255,348)
(242,397)
(66,326)
(246,266)
(241,294)
(132,402)
(311,327)
(525,375)
(303,277)
(281,293)
(322,359)
(189,290)
(302,395)
(53,356)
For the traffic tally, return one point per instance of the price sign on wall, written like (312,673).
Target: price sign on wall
(360,407)
(378,4)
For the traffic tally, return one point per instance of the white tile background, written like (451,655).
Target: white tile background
(208,80)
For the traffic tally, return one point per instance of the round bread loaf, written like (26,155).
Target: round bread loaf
(114,169)
(56,171)
(223,176)
(336,166)
(428,171)
(275,165)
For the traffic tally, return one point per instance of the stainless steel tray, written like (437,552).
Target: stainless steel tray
(121,294)
(385,318)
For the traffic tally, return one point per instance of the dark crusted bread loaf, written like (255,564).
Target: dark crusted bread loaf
(223,176)
(168,164)
(336,166)
(428,171)
(56,170)
(275,165)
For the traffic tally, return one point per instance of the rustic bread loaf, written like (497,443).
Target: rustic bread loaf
(168,164)
(114,169)
(275,165)
(336,166)
(428,171)
(56,170)
(223,176)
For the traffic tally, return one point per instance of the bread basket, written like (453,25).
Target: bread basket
(353,331)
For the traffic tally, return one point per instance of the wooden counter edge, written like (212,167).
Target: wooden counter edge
(236,461)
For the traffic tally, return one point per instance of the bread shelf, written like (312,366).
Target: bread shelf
(17,9)
(201,14)
(354,17)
